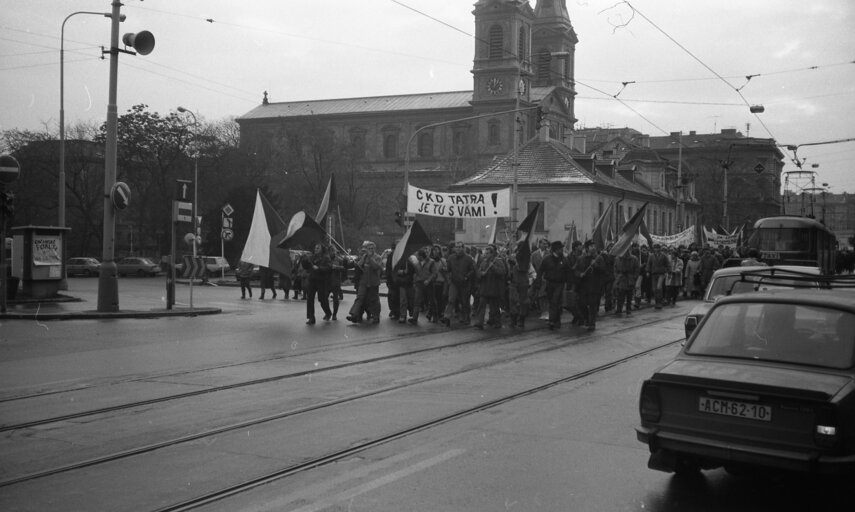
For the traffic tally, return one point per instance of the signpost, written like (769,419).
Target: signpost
(182,211)
(226,234)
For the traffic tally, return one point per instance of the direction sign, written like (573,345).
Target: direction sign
(759,168)
(193,267)
(184,190)
(120,195)
(9,169)
(228,235)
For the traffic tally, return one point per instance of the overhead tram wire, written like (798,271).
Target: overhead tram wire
(702,63)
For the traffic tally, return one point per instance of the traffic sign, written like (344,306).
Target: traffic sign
(9,169)
(228,210)
(228,235)
(184,190)
(193,267)
(759,168)
(227,222)
(183,212)
(120,194)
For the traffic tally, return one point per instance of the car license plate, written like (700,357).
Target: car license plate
(770,255)
(737,409)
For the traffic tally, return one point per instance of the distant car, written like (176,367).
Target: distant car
(216,265)
(766,382)
(733,280)
(82,267)
(137,266)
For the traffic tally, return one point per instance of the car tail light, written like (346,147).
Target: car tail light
(826,430)
(649,405)
(690,324)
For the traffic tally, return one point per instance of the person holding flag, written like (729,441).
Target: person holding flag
(461,269)
(491,273)
(319,267)
(555,272)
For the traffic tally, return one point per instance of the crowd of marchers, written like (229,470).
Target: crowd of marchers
(494,286)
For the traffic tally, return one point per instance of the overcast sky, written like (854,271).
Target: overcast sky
(687,59)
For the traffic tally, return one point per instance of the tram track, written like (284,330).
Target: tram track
(313,407)
(329,458)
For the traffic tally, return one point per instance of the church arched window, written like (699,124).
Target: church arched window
(425,148)
(493,133)
(544,64)
(497,37)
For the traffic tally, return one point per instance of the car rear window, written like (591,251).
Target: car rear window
(733,285)
(788,333)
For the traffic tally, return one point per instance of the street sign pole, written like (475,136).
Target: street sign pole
(9,171)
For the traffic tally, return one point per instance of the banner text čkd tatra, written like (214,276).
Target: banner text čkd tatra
(469,205)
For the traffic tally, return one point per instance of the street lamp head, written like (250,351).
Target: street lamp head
(182,109)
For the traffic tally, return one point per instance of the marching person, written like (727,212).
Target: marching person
(336,268)
(423,278)
(461,270)
(519,264)
(244,274)
(658,266)
(404,272)
(555,271)
(318,266)
(692,276)
(591,268)
(674,278)
(626,272)
(370,266)
(267,281)
(490,273)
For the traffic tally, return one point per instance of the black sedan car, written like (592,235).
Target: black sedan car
(767,380)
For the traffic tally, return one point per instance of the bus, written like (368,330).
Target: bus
(798,241)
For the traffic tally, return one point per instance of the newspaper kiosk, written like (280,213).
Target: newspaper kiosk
(37,259)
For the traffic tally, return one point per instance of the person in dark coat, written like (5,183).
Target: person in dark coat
(555,271)
(461,270)
(368,294)
(593,275)
(318,266)
(267,281)
(404,271)
(491,274)
(244,273)
(626,273)
(337,267)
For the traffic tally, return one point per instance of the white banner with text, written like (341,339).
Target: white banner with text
(468,205)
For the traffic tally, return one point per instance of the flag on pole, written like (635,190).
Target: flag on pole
(646,233)
(629,231)
(524,231)
(260,248)
(302,233)
(601,228)
(329,198)
(414,239)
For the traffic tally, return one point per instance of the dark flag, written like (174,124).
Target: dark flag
(601,228)
(524,232)
(629,231)
(414,239)
(302,233)
(261,248)
(329,198)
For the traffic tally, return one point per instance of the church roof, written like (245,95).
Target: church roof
(545,163)
(424,101)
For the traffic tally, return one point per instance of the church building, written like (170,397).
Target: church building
(515,128)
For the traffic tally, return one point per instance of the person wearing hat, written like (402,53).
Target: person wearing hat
(658,265)
(591,269)
(555,272)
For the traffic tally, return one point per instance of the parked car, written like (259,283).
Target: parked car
(733,280)
(82,267)
(216,265)
(766,381)
(134,265)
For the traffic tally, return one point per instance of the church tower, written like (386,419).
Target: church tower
(553,49)
(502,64)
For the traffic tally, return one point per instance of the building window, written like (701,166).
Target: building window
(458,225)
(390,145)
(494,133)
(496,41)
(600,209)
(425,148)
(458,143)
(663,226)
(539,222)
(629,211)
(670,222)
(544,65)
(521,45)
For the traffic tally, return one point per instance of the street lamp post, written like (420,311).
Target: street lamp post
(108,284)
(195,192)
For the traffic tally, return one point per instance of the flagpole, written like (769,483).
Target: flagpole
(340,225)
